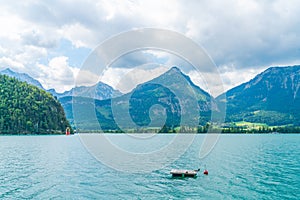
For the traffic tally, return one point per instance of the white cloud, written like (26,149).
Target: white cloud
(210,82)
(31,54)
(11,25)
(247,35)
(57,74)
(6,62)
(40,38)
(125,80)
(79,35)
(232,77)
(86,78)
(158,13)
(2,50)
(113,9)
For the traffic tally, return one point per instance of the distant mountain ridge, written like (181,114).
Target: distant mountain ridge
(272,97)
(99,91)
(22,77)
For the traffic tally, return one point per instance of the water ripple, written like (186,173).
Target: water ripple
(240,167)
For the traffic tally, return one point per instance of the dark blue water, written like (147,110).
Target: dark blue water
(240,167)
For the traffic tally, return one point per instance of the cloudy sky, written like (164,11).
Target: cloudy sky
(50,40)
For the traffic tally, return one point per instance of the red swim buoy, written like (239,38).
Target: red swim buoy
(67,131)
(205,172)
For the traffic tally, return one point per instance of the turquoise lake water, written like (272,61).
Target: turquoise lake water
(240,167)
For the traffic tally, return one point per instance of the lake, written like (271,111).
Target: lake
(265,166)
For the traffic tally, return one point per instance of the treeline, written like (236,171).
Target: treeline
(26,109)
(279,129)
(209,128)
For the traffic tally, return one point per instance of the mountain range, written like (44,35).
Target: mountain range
(169,101)
(99,91)
(172,99)
(272,97)
(22,77)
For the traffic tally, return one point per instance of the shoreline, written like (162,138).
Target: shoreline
(104,133)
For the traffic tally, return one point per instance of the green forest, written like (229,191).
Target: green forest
(26,109)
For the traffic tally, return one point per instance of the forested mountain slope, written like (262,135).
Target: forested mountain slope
(26,109)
